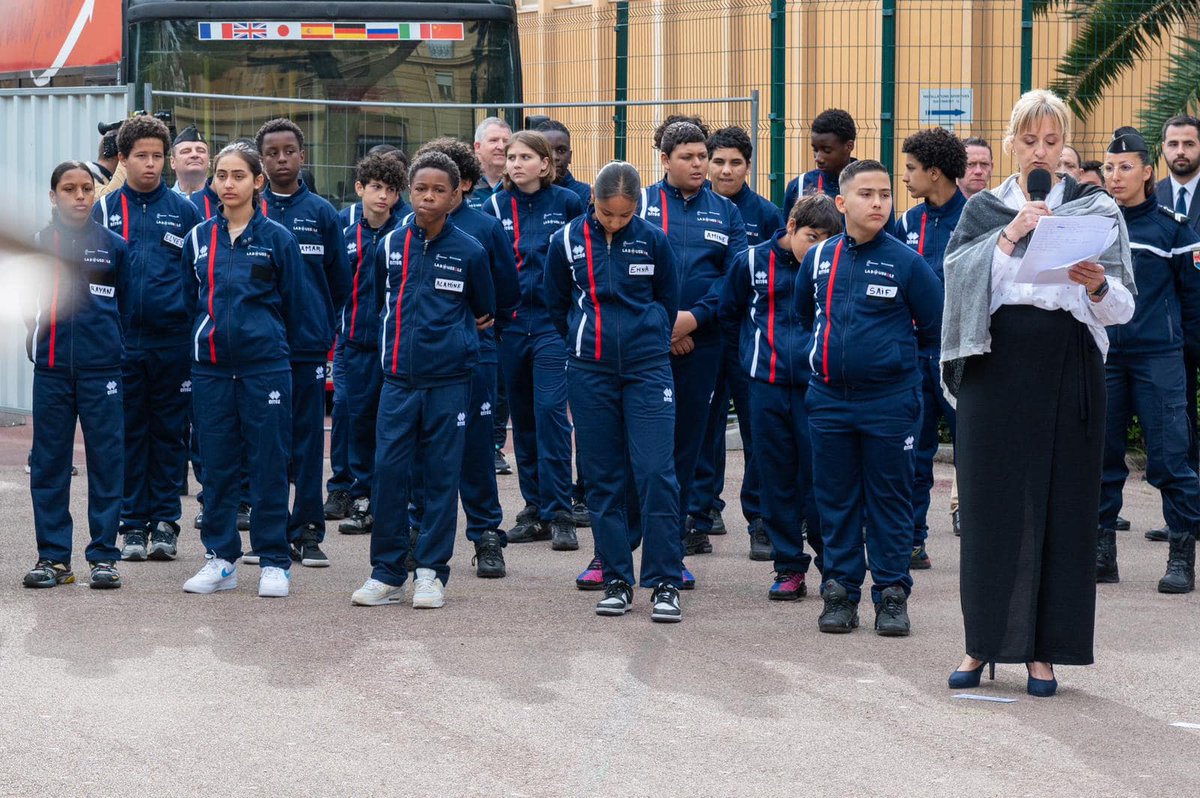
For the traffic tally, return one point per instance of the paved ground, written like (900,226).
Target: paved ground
(517,689)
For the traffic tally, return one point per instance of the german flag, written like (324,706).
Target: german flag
(350,30)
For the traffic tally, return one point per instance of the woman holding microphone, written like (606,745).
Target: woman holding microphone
(1025,364)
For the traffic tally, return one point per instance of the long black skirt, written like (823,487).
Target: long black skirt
(1029,445)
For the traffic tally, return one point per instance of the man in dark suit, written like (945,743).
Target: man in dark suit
(1181,150)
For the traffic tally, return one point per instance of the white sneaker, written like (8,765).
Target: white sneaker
(428,591)
(274,582)
(217,574)
(374,593)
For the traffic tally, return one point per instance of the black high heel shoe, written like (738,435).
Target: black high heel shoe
(962,680)
(1042,688)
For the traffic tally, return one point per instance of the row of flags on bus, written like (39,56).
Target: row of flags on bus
(349,31)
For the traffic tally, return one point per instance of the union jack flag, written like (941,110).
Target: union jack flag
(249,30)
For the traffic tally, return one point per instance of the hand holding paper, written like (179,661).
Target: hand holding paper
(1060,242)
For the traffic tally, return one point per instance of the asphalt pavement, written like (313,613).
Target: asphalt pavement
(516,688)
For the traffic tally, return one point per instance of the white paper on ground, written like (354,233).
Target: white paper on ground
(1059,242)
(1187,725)
(973,697)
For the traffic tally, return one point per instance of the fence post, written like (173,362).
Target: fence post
(621,91)
(887,87)
(1026,45)
(755,104)
(778,115)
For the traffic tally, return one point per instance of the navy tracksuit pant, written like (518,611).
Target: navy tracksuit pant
(245,419)
(863,459)
(1152,388)
(308,448)
(362,377)
(933,407)
(156,418)
(500,416)
(625,425)
(779,415)
(419,428)
(339,423)
(59,398)
(695,378)
(535,372)
(710,471)
(477,486)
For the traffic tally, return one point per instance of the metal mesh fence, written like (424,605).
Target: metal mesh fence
(896,65)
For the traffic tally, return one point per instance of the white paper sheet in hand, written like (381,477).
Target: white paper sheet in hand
(1059,242)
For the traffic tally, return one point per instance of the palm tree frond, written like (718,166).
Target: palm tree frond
(1112,39)
(1177,93)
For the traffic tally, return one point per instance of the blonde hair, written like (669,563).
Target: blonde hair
(541,148)
(1033,107)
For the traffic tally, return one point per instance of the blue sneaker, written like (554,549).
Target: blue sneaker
(688,582)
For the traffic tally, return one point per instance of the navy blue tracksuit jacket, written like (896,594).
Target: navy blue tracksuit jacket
(75,344)
(581,188)
(350,215)
(869,306)
(759,312)
(814,182)
(927,229)
(1144,372)
(533,358)
(761,216)
(156,315)
(206,201)
(614,302)
(249,294)
(434,289)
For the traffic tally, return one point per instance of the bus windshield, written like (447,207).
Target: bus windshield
(468,61)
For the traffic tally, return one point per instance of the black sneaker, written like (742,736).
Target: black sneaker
(361,521)
(529,527)
(718,522)
(503,469)
(489,556)
(618,599)
(891,613)
(198,523)
(307,550)
(760,542)
(580,513)
(135,546)
(696,543)
(956,524)
(163,541)
(562,533)
(339,505)
(48,573)
(1122,525)
(840,614)
(1160,535)
(243,517)
(920,559)
(664,604)
(104,576)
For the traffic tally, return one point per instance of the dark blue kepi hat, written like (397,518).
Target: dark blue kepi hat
(189,133)
(1127,139)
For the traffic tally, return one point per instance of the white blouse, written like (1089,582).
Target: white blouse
(1115,308)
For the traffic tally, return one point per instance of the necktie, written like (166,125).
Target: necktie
(1181,202)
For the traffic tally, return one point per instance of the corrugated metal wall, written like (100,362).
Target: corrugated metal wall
(40,128)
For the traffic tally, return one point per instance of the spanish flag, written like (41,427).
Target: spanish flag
(316,30)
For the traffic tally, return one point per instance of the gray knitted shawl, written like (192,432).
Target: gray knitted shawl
(966,318)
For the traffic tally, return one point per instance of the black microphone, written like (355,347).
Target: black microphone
(1038,184)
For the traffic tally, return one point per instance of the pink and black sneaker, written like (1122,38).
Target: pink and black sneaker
(592,577)
(787,587)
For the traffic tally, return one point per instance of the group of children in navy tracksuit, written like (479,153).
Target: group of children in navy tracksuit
(635,317)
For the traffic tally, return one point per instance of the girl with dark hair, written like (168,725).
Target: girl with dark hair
(248,282)
(75,344)
(533,359)
(612,293)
